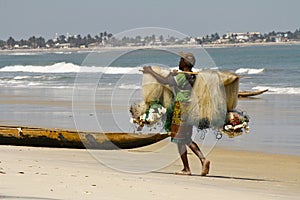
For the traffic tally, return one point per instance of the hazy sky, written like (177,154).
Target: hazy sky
(24,18)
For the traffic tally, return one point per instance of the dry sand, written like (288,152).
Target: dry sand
(52,173)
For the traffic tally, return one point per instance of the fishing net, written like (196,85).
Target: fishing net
(236,123)
(213,102)
(231,85)
(156,107)
(154,91)
(208,101)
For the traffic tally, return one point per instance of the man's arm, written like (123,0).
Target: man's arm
(158,77)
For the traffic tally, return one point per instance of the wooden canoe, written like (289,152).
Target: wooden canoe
(47,137)
(250,93)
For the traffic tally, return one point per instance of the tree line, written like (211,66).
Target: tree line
(103,38)
(34,42)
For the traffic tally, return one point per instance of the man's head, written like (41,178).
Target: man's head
(187,59)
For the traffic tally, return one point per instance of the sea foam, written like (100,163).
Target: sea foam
(249,71)
(63,67)
(278,90)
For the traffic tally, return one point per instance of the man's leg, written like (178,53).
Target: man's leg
(183,155)
(195,148)
(205,163)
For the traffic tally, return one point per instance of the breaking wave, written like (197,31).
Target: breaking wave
(278,90)
(249,71)
(63,67)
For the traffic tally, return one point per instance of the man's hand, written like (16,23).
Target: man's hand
(147,69)
(158,77)
(174,72)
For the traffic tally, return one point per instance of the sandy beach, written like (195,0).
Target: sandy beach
(52,173)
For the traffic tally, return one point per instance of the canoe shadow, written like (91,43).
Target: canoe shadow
(25,197)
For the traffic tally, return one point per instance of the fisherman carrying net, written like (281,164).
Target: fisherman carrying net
(181,129)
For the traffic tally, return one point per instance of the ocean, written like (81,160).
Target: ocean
(92,90)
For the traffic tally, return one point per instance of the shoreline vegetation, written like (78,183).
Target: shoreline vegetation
(107,41)
(108,48)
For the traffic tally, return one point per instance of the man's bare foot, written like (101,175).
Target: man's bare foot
(205,168)
(182,172)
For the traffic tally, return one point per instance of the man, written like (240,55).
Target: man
(181,130)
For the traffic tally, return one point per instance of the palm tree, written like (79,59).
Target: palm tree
(11,42)
(62,39)
(50,43)
(2,43)
(32,42)
(40,42)
(109,35)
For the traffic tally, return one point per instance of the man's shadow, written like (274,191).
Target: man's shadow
(221,177)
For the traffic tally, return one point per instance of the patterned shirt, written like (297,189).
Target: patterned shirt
(182,84)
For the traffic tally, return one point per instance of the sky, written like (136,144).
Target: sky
(24,18)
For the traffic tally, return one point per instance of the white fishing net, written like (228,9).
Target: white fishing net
(208,106)
(157,101)
(154,91)
(214,93)
(231,84)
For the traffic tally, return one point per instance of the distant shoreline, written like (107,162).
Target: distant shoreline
(246,44)
(228,45)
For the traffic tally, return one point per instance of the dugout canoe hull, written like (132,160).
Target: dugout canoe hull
(47,137)
(250,93)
